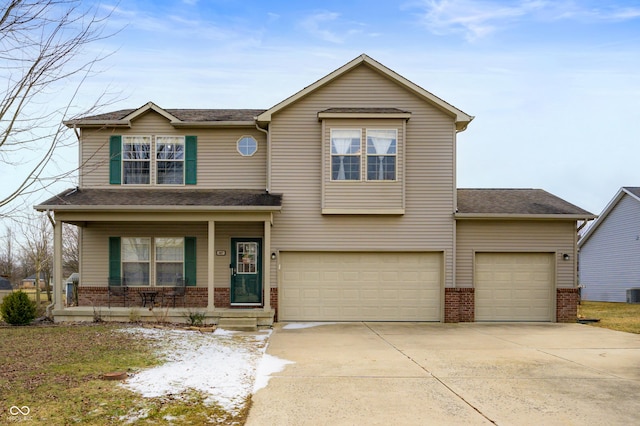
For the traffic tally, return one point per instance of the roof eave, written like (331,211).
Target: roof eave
(97,123)
(522,216)
(159,209)
(218,124)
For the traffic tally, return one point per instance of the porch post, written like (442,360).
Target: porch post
(58,278)
(266,276)
(211,257)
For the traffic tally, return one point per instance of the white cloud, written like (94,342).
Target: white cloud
(316,25)
(478,19)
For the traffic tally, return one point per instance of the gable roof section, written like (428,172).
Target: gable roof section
(631,191)
(461,118)
(177,117)
(516,204)
(143,199)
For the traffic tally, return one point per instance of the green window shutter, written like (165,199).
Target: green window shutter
(114,257)
(115,160)
(191,155)
(190,260)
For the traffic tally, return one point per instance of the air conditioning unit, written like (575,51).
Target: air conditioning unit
(633,295)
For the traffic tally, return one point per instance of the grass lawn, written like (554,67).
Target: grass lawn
(613,315)
(57,372)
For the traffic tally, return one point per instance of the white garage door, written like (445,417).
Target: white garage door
(359,286)
(514,287)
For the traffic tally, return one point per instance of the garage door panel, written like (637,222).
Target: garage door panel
(514,287)
(361,286)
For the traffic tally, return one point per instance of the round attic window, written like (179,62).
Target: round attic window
(247,146)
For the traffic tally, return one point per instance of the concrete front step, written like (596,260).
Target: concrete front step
(238,324)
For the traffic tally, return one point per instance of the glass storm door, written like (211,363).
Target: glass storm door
(246,271)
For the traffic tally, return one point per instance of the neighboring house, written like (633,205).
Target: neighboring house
(30,281)
(337,204)
(610,250)
(5,284)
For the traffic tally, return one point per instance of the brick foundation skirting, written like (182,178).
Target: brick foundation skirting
(195,297)
(567,304)
(459,304)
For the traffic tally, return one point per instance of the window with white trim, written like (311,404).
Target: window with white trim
(136,160)
(169,160)
(381,154)
(169,260)
(247,146)
(345,154)
(136,259)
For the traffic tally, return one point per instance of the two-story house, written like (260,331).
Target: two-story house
(337,204)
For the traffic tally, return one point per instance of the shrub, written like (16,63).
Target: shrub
(17,309)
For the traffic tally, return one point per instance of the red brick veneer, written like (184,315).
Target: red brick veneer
(459,304)
(567,304)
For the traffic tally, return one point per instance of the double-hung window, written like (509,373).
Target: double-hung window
(153,160)
(381,154)
(136,260)
(345,154)
(136,160)
(169,260)
(169,160)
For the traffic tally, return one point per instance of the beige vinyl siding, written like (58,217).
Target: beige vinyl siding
(220,166)
(95,246)
(515,236)
(363,195)
(296,140)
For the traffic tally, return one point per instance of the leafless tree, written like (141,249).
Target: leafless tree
(70,254)
(7,256)
(43,48)
(37,248)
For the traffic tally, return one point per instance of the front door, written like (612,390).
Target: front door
(246,271)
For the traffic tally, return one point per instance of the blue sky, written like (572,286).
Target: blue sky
(554,85)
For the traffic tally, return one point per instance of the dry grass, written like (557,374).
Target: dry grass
(616,316)
(56,371)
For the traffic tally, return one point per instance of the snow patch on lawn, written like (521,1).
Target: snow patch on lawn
(223,366)
(300,325)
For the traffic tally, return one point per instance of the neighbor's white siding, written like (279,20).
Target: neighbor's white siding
(610,258)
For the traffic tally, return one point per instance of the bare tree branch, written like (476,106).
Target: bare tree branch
(42,44)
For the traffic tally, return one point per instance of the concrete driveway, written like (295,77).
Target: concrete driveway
(451,374)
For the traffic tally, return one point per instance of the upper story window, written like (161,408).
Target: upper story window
(170,160)
(136,159)
(381,154)
(345,154)
(247,146)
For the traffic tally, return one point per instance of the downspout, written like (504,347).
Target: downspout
(266,132)
(53,290)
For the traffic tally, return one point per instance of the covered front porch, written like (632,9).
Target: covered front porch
(220,252)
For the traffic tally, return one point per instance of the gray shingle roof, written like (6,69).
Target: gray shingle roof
(186,115)
(162,198)
(515,201)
